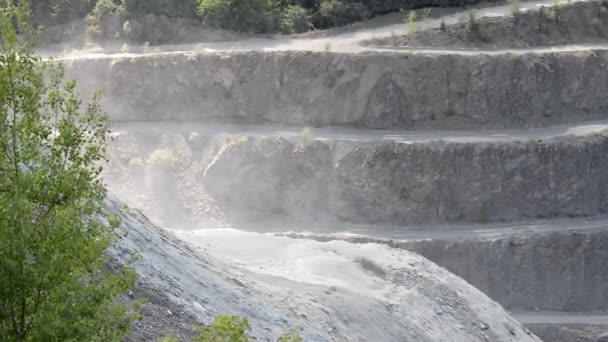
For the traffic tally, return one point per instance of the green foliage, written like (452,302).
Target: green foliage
(262,16)
(412,25)
(294,19)
(225,329)
(472,24)
(111,18)
(106,7)
(163,158)
(233,139)
(54,281)
(50,12)
(237,15)
(306,136)
(292,336)
(233,329)
(557,4)
(101,22)
(136,163)
(332,13)
(515,6)
(548,12)
(127,30)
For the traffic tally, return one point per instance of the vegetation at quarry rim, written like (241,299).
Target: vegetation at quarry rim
(256,16)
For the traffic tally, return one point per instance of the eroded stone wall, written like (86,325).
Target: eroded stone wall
(536,270)
(557,271)
(364,90)
(392,183)
(401,183)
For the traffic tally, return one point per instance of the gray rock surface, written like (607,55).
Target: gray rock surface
(168,195)
(570,333)
(400,183)
(397,183)
(380,291)
(557,271)
(541,271)
(373,182)
(403,303)
(371,90)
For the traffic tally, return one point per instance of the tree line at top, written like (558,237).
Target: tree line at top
(254,16)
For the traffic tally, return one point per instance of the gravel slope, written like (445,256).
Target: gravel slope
(353,292)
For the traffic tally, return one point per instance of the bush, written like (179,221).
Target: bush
(237,15)
(225,329)
(306,136)
(412,24)
(106,20)
(472,24)
(515,6)
(548,13)
(294,19)
(233,329)
(557,4)
(257,16)
(168,8)
(105,7)
(336,13)
(136,163)
(292,336)
(233,139)
(52,12)
(163,158)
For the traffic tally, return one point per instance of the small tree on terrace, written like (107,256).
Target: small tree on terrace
(55,284)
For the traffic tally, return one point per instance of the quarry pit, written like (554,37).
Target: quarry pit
(422,179)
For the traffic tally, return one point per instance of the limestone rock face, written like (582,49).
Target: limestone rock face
(378,182)
(400,183)
(395,183)
(561,271)
(371,90)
